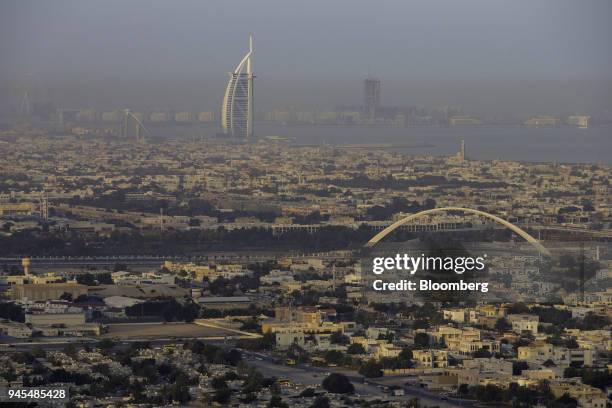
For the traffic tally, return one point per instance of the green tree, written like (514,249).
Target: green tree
(106,344)
(593,321)
(86,279)
(567,401)
(222,396)
(572,344)
(355,348)
(518,308)
(502,325)
(338,384)
(218,383)
(66,296)
(421,340)
(339,338)
(482,353)
(518,367)
(333,357)
(253,383)
(277,402)
(308,393)
(371,369)
(320,402)
(405,354)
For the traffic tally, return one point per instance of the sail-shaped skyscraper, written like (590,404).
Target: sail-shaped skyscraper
(237,108)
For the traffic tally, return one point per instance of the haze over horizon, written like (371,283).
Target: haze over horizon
(493,57)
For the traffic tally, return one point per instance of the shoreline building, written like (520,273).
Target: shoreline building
(582,121)
(237,109)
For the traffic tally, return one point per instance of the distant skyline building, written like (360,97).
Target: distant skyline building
(25,107)
(132,128)
(582,121)
(237,109)
(371,89)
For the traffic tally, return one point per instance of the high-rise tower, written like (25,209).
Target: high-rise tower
(237,108)
(25,108)
(371,93)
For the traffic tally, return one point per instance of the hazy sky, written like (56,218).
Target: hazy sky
(306,52)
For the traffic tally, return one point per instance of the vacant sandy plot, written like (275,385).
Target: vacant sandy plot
(159,331)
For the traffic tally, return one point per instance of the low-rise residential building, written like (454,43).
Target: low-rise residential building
(431,358)
(524,323)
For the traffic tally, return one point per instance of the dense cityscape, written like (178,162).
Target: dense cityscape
(257,245)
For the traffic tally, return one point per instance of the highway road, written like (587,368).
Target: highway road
(81,342)
(158,260)
(156,333)
(310,375)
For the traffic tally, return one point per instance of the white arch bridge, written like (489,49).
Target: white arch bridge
(533,241)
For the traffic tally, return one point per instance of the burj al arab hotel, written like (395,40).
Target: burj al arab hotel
(237,108)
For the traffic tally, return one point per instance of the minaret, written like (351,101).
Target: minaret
(25,262)
(462,151)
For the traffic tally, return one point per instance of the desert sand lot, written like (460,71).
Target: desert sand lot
(161,330)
